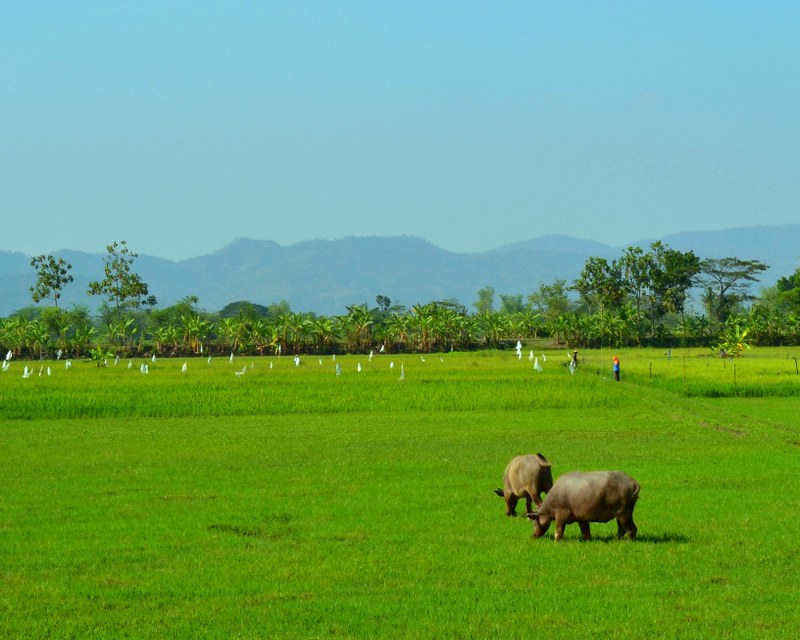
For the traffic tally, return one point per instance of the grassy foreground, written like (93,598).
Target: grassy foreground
(289,502)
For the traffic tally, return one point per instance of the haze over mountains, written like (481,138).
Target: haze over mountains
(326,276)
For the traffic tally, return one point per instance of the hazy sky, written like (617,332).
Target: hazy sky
(179,126)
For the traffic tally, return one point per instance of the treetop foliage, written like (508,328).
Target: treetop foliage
(639,298)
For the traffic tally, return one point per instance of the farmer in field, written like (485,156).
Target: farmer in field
(615,367)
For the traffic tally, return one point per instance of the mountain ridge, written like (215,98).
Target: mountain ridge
(327,276)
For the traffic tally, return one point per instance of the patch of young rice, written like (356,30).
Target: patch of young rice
(453,384)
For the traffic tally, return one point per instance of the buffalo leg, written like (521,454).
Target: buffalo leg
(587,534)
(625,524)
(559,530)
(511,505)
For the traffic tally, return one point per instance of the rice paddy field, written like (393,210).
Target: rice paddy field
(257,498)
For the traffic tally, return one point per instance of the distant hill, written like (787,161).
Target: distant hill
(327,276)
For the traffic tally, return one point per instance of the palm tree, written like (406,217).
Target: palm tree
(449,327)
(262,335)
(37,337)
(492,327)
(14,334)
(395,331)
(195,331)
(299,325)
(227,334)
(282,329)
(323,332)
(793,328)
(421,324)
(121,331)
(167,335)
(82,338)
(360,319)
(528,320)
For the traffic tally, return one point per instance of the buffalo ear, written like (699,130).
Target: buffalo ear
(545,462)
(500,493)
(532,515)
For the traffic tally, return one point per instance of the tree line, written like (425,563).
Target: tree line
(642,298)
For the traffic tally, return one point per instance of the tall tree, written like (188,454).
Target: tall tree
(551,302)
(121,286)
(788,289)
(485,301)
(601,284)
(638,269)
(671,279)
(511,303)
(52,275)
(726,283)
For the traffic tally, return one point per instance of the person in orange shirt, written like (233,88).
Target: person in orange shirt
(615,367)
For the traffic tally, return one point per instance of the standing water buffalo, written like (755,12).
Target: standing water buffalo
(595,496)
(525,477)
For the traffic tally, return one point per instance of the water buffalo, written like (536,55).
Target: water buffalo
(525,477)
(595,496)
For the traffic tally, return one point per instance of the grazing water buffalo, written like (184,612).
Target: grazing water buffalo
(525,477)
(595,496)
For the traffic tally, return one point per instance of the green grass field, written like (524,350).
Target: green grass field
(289,502)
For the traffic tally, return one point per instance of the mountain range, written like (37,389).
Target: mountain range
(327,276)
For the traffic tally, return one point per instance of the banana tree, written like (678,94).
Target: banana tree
(37,338)
(734,338)
(195,331)
(82,339)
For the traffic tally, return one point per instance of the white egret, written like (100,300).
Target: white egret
(184,367)
(402,372)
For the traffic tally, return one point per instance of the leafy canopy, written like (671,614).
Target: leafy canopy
(121,285)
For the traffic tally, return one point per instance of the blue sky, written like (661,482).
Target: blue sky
(179,126)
